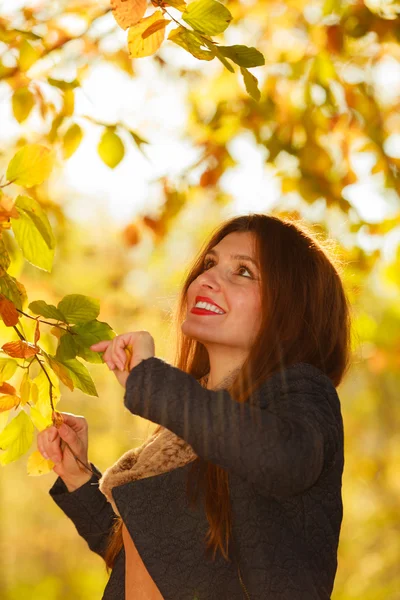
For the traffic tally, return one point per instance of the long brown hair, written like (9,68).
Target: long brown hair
(305,317)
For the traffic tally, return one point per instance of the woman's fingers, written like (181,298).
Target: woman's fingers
(100,346)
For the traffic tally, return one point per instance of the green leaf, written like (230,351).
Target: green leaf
(88,334)
(243,56)
(8,366)
(31,165)
(71,140)
(67,348)
(80,376)
(4,256)
(13,290)
(28,55)
(16,438)
(222,58)
(208,16)
(33,233)
(78,308)
(111,149)
(190,42)
(40,307)
(251,84)
(22,103)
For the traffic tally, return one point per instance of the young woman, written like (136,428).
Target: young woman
(237,494)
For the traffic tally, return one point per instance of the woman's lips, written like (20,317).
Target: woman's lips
(204,311)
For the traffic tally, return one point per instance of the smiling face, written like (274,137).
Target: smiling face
(234,285)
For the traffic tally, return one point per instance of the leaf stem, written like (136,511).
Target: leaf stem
(41,321)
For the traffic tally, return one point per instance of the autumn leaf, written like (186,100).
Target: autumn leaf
(207,16)
(33,233)
(20,349)
(7,209)
(37,332)
(31,165)
(61,372)
(22,103)
(140,46)
(251,84)
(190,42)
(8,366)
(58,419)
(128,12)
(38,464)
(25,388)
(71,140)
(6,388)
(111,148)
(16,438)
(8,312)
(9,401)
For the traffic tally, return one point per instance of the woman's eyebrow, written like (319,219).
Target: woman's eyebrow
(237,256)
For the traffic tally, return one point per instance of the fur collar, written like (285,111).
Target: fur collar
(162,451)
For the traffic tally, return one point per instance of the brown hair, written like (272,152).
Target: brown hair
(305,317)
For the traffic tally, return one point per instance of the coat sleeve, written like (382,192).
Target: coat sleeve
(88,509)
(279,444)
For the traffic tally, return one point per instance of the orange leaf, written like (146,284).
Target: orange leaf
(7,209)
(155,27)
(8,312)
(37,332)
(6,388)
(57,419)
(7,402)
(20,349)
(128,12)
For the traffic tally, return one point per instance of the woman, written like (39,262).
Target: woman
(237,494)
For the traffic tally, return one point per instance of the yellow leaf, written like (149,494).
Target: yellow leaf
(111,149)
(71,140)
(40,421)
(3,419)
(8,402)
(137,45)
(28,55)
(16,438)
(31,165)
(8,366)
(128,12)
(38,465)
(22,103)
(25,389)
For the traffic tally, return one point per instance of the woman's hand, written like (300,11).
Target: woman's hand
(125,352)
(50,444)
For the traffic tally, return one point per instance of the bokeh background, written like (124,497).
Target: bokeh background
(189,149)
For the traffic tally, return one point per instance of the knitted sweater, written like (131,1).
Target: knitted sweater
(283,450)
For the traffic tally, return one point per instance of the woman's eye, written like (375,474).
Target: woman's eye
(210,260)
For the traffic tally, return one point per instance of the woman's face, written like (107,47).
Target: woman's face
(234,285)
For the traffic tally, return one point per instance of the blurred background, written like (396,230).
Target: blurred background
(152,154)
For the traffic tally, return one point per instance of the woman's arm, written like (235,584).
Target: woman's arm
(279,445)
(88,509)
